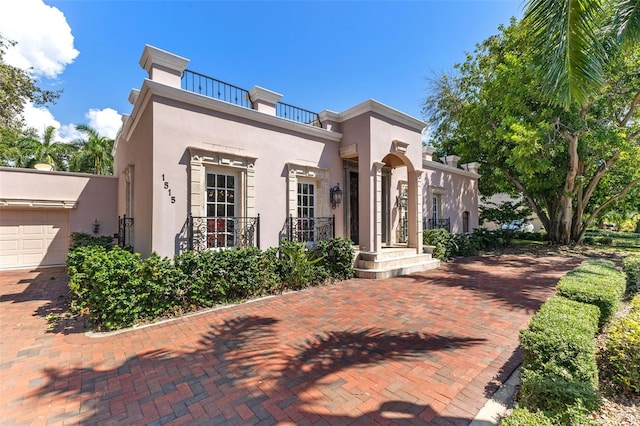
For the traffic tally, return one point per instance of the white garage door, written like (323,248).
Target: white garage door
(33,237)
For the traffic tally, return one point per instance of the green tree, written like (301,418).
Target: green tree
(94,152)
(570,164)
(574,40)
(17,88)
(44,150)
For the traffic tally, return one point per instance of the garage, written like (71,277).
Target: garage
(33,237)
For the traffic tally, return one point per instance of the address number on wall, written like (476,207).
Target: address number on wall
(166,186)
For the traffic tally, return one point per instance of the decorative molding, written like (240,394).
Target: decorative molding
(400,146)
(349,151)
(374,106)
(260,94)
(150,87)
(153,56)
(45,204)
(435,165)
(221,158)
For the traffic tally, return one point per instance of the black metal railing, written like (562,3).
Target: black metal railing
(438,223)
(213,88)
(224,232)
(125,225)
(207,86)
(311,229)
(299,115)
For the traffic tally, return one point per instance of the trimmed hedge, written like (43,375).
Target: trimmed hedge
(631,267)
(559,372)
(116,288)
(521,416)
(596,282)
(620,360)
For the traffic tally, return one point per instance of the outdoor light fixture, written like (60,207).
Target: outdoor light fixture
(96,226)
(335,194)
(401,200)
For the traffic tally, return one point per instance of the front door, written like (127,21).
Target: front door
(353,207)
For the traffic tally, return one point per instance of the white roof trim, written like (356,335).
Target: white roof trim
(45,204)
(150,87)
(434,165)
(372,105)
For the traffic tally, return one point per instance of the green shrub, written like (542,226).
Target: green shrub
(596,282)
(521,416)
(486,239)
(337,257)
(442,240)
(559,367)
(605,241)
(631,267)
(620,359)
(111,291)
(298,265)
(80,239)
(465,244)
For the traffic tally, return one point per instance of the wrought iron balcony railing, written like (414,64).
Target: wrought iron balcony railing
(199,83)
(224,232)
(438,223)
(207,86)
(311,229)
(300,115)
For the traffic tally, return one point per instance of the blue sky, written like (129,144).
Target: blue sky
(318,54)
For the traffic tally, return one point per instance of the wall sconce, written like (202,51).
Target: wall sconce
(401,200)
(96,226)
(335,194)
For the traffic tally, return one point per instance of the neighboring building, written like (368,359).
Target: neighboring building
(502,197)
(203,164)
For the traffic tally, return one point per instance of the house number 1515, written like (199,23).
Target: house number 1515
(166,186)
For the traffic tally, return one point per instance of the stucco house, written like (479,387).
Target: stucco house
(203,164)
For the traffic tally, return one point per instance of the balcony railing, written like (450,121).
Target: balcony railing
(224,232)
(199,83)
(207,86)
(311,229)
(438,223)
(299,115)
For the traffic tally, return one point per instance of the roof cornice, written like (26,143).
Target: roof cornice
(434,165)
(372,105)
(150,87)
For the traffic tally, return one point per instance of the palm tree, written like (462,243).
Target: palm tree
(94,152)
(35,150)
(575,39)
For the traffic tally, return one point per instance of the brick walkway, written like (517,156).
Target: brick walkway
(429,348)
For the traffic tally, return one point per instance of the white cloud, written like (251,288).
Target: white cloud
(106,121)
(45,42)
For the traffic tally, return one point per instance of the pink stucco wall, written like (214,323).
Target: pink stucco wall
(94,196)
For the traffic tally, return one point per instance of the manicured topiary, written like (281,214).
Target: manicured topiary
(596,282)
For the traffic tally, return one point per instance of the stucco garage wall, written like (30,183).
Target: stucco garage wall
(59,203)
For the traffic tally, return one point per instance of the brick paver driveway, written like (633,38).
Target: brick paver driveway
(426,348)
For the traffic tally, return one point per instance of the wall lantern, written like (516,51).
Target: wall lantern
(96,226)
(335,195)
(401,200)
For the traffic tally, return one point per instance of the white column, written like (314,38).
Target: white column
(378,206)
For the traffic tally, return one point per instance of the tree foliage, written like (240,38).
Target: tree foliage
(571,164)
(94,152)
(574,41)
(17,88)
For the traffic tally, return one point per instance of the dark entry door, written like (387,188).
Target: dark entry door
(353,208)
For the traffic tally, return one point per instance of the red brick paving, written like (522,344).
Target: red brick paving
(429,348)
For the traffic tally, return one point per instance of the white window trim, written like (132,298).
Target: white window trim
(309,174)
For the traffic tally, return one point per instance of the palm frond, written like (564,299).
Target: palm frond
(627,22)
(568,46)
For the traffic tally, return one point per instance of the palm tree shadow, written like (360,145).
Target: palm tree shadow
(228,362)
(327,353)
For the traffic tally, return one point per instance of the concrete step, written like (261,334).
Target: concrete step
(396,271)
(393,262)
